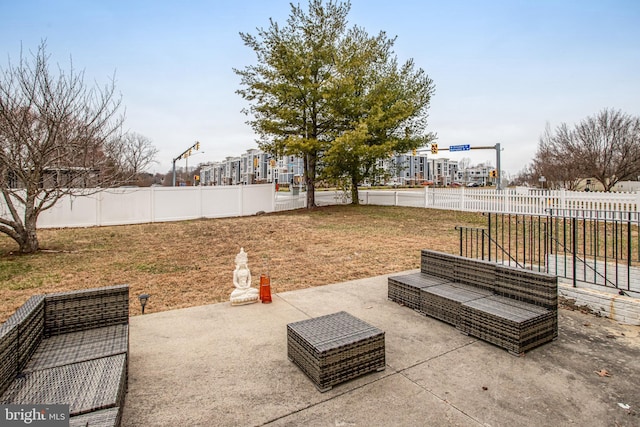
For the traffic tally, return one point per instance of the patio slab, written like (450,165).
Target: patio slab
(227,366)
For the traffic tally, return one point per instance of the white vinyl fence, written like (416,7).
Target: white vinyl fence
(120,206)
(512,200)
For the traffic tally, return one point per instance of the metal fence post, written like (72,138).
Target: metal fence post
(574,248)
(489,239)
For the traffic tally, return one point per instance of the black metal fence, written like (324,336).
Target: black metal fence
(596,247)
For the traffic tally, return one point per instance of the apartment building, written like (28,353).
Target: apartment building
(255,167)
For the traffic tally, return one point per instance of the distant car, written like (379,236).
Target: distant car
(456,184)
(473,184)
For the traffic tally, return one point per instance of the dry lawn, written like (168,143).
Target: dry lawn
(190,263)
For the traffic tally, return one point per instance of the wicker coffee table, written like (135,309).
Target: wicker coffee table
(335,348)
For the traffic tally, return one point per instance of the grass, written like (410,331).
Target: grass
(189,263)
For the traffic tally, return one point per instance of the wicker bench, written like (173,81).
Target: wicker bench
(69,348)
(513,308)
(335,348)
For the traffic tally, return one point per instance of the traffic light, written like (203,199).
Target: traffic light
(197,145)
(493,173)
(415,151)
(434,148)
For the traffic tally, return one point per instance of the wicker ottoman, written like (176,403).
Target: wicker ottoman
(335,348)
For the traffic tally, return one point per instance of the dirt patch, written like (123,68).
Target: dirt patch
(570,304)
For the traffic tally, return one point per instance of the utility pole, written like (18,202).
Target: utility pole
(185,154)
(499,178)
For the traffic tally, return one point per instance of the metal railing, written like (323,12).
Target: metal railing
(591,247)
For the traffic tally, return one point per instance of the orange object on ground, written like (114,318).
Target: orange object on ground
(265,288)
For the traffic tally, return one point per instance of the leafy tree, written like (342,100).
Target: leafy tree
(290,85)
(57,137)
(605,147)
(332,95)
(381,106)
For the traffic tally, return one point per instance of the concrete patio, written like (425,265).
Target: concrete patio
(227,366)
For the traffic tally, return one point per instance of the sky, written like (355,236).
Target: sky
(503,70)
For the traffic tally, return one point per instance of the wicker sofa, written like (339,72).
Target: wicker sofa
(69,348)
(513,308)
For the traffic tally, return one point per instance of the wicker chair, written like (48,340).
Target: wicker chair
(69,348)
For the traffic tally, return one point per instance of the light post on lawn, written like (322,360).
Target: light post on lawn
(143,300)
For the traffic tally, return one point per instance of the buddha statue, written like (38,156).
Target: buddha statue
(243,293)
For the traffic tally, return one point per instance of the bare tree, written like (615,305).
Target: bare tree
(557,159)
(134,154)
(57,137)
(464,163)
(609,145)
(524,177)
(605,147)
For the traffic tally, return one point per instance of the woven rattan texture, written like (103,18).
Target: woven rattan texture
(438,264)
(541,288)
(29,319)
(443,301)
(514,308)
(478,273)
(85,386)
(335,348)
(103,418)
(511,324)
(8,355)
(81,359)
(405,289)
(79,346)
(86,309)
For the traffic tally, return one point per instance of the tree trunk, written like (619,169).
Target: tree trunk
(355,200)
(29,243)
(28,237)
(310,161)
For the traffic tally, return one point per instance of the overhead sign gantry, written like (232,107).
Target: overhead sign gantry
(466,147)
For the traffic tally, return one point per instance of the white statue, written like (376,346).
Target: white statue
(243,293)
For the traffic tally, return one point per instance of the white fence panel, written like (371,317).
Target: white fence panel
(410,198)
(289,202)
(156,204)
(256,198)
(176,203)
(120,206)
(71,211)
(380,198)
(532,202)
(124,206)
(220,202)
(445,198)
